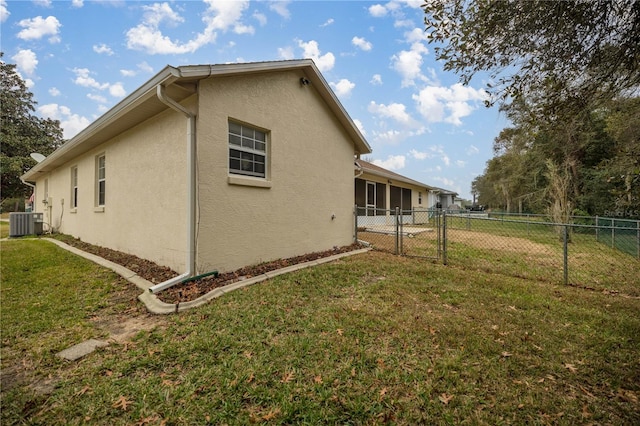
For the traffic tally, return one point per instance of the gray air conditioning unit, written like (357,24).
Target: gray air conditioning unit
(21,224)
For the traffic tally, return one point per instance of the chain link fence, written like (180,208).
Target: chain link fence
(596,253)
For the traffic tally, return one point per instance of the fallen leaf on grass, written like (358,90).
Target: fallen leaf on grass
(340,332)
(271,414)
(317,379)
(250,378)
(122,403)
(287,377)
(383,391)
(444,398)
(83,390)
(571,367)
(505,354)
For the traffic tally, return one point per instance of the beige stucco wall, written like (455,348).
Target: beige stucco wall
(310,174)
(144,210)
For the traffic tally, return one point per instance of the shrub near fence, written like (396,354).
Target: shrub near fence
(577,254)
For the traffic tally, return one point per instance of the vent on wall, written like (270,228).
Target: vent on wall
(21,224)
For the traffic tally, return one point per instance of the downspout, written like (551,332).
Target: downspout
(34,190)
(191,196)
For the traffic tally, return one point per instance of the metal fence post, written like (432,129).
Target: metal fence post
(444,237)
(439,240)
(397,231)
(613,233)
(355,221)
(597,230)
(566,254)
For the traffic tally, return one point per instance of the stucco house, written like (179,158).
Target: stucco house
(379,191)
(210,167)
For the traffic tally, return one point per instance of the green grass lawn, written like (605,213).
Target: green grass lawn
(368,339)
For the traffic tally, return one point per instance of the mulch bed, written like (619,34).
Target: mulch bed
(191,290)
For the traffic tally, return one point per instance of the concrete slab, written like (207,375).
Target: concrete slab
(81,349)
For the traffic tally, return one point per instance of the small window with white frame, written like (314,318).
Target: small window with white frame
(101,180)
(247,150)
(74,187)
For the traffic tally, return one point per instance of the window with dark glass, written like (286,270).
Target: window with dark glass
(247,150)
(101,180)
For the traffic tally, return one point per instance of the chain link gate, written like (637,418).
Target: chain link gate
(413,233)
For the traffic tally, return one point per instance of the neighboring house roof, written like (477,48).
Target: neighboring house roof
(180,83)
(388,174)
(375,170)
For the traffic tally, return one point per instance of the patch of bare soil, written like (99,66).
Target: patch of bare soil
(484,240)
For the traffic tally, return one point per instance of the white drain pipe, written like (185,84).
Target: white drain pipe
(191,196)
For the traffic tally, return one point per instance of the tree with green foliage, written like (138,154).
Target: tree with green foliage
(557,69)
(21,133)
(550,52)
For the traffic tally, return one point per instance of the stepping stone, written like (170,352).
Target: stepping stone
(81,349)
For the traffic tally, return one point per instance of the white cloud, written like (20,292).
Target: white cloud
(360,127)
(393,162)
(142,67)
(420,155)
(77,3)
(102,48)
(219,16)
(376,80)
(38,27)
(98,98)
(408,63)
(377,10)
(71,124)
(400,23)
(311,50)
(286,53)
(4,12)
(396,111)
(461,163)
(43,3)
(472,150)
(26,61)
(448,183)
(361,43)
(448,104)
(343,88)
(117,90)
(327,23)
(394,137)
(416,35)
(54,92)
(281,8)
(260,17)
(84,79)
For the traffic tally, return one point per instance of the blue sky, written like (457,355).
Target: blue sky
(79,58)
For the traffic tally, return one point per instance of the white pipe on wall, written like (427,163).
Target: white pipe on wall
(191,196)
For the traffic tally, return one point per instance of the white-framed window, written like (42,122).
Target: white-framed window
(247,150)
(74,187)
(101,179)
